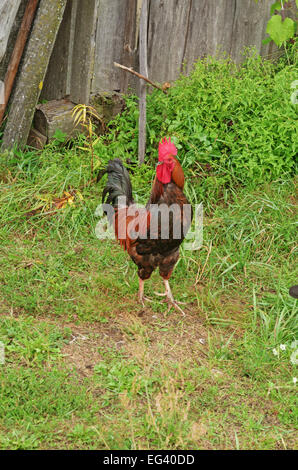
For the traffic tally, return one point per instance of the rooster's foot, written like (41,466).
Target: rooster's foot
(170,299)
(174,303)
(143,299)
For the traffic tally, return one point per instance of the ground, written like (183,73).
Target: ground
(87,367)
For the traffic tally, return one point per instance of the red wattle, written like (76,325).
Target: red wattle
(164,172)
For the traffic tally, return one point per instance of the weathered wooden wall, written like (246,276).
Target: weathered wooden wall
(115,41)
(179,32)
(11,16)
(95,33)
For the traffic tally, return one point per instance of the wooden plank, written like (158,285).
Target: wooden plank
(168,22)
(247,29)
(72,38)
(83,51)
(109,43)
(142,85)
(59,69)
(205,27)
(227,26)
(71,71)
(129,55)
(210,25)
(8,11)
(30,82)
(114,43)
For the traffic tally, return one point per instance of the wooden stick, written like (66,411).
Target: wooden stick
(17,53)
(143,89)
(139,75)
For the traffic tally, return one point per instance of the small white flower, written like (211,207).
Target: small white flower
(283,347)
(294,344)
(275,352)
(294,380)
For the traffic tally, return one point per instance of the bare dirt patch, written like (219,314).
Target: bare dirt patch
(83,350)
(168,337)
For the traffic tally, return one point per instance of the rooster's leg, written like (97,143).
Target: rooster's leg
(141,293)
(169,297)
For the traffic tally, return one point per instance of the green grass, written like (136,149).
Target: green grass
(86,367)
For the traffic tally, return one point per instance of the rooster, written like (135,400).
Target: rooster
(142,231)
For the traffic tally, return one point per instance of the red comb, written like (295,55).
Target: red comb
(166,147)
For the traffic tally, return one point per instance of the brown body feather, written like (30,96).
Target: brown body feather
(151,253)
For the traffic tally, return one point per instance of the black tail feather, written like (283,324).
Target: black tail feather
(118,183)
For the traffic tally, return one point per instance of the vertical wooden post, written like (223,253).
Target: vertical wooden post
(143,86)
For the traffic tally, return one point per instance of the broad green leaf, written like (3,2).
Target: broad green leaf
(275,6)
(280,31)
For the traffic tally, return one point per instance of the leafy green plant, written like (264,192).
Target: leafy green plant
(280,29)
(59,137)
(223,118)
(83,115)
